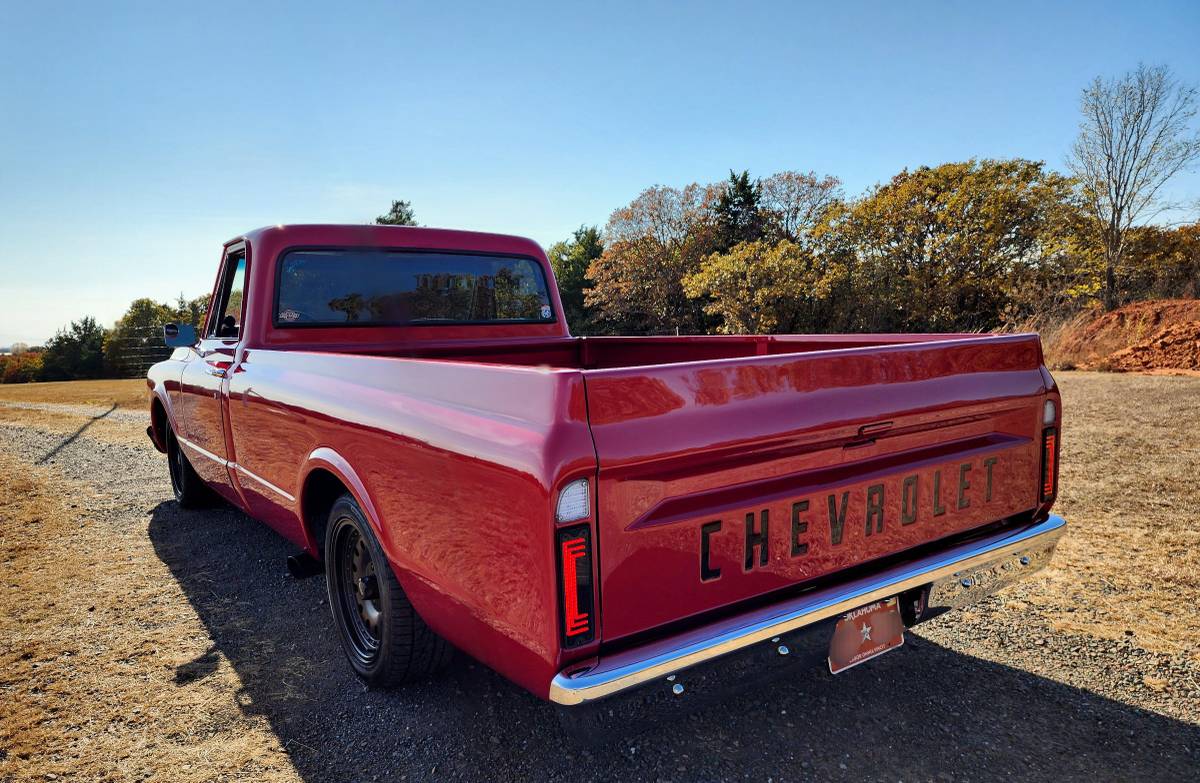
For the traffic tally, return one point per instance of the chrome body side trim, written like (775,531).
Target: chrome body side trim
(958,576)
(290,498)
(203,452)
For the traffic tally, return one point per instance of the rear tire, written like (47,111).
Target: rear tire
(385,640)
(190,490)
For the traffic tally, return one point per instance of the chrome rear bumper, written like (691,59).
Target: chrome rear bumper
(957,577)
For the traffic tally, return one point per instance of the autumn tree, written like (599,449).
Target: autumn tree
(1063,275)
(935,249)
(571,260)
(771,281)
(650,245)
(1135,134)
(1161,263)
(401,214)
(765,287)
(21,367)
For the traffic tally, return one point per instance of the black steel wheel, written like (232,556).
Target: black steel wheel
(385,640)
(357,593)
(190,490)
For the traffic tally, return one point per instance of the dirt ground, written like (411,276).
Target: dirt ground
(1160,336)
(142,642)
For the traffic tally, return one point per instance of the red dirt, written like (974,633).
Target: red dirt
(1174,347)
(1160,335)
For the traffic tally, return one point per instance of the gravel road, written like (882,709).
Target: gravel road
(992,695)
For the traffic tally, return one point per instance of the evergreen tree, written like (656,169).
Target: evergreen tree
(571,260)
(401,214)
(75,352)
(739,216)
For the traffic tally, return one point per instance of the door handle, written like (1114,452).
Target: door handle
(216,372)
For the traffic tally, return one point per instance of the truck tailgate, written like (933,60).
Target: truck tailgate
(720,481)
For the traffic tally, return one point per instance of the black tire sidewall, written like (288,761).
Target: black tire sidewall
(177,472)
(345,511)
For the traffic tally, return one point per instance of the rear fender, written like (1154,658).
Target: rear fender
(325,458)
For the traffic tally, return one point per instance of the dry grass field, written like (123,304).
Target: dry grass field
(128,649)
(110,410)
(1130,566)
(125,393)
(88,669)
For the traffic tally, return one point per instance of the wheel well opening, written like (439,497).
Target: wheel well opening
(158,421)
(321,490)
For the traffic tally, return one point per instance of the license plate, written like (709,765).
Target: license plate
(865,633)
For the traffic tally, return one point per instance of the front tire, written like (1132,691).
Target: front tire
(190,490)
(385,640)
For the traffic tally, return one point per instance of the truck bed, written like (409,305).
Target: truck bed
(702,442)
(744,432)
(596,353)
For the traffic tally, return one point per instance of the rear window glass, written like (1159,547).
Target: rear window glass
(374,287)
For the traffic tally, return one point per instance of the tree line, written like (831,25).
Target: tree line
(974,245)
(85,349)
(964,246)
(969,246)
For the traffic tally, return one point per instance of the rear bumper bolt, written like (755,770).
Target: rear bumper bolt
(968,583)
(677,688)
(783,650)
(1025,560)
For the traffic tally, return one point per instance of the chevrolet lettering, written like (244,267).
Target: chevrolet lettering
(795,526)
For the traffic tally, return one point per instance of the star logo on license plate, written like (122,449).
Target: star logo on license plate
(865,633)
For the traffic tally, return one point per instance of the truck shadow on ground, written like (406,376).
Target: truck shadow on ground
(923,712)
(74,436)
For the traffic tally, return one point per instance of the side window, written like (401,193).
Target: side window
(228,324)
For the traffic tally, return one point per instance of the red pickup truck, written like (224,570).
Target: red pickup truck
(586,515)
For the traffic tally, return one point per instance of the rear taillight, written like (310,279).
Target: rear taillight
(575,581)
(1049,463)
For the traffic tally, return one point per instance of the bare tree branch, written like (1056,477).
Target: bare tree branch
(796,201)
(1135,134)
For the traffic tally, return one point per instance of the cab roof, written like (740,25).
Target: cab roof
(398,237)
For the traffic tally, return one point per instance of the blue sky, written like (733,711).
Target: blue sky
(136,138)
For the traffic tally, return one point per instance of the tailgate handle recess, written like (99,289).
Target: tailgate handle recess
(871,430)
(867,432)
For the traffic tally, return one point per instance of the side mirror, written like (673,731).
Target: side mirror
(179,335)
